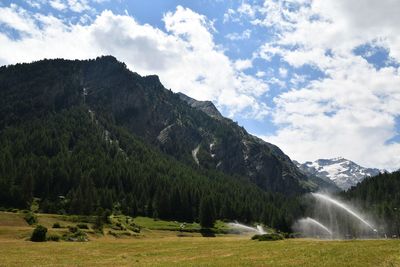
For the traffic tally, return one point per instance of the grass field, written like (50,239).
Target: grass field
(165,248)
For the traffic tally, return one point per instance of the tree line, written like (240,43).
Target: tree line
(379,195)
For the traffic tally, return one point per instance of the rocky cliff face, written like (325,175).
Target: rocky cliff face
(205,106)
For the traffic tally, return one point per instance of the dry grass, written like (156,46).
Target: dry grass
(12,219)
(165,248)
(199,251)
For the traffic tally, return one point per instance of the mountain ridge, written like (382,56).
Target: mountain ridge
(343,172)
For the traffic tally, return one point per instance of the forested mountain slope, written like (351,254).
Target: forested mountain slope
(84,135)
(76,162)
(145,108)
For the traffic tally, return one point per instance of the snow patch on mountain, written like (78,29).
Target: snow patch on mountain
(194,154)
(343,172)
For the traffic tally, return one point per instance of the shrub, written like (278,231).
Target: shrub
(268,237)
(82,226)
(135,229)
(53,237)
(39,234)
(77,236)
(118,226)
(56,225)
(30,218)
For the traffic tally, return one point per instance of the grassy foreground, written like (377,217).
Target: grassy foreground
(166,248)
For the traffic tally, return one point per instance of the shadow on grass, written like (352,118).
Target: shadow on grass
(206,232)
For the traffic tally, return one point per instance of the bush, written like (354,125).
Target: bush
(268,237)
(82,226)
(53,237)
(77,236)
(39,234)
(56,225)
(134,228)
(30,218)
(118,226)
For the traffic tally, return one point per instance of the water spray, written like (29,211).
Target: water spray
(259,229)
(344,207)
(311,221)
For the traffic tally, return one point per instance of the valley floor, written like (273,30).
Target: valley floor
(166,248)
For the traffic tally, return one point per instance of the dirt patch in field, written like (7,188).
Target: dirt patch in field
(12,219)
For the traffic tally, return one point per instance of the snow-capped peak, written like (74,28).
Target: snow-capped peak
(343,172)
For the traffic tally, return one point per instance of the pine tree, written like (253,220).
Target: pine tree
(207,213)
(27,190)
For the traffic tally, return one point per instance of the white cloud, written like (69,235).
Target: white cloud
(239,36)
(35,3)
(260,74)
(77,6)
(278,82)
(18,19)
(283,72)
(243,64)
(351,111)
(58,4)
(296,80)
(246,9)
(184,56)
(229,15)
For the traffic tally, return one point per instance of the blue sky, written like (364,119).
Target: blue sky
(318,78)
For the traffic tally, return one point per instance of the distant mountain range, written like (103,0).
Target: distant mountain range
(343,172)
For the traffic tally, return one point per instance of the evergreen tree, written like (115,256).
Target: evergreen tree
(27,190)
(207,213)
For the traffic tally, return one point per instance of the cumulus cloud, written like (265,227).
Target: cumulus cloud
(351,111)
(184,55)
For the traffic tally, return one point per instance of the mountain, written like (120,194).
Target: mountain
(79,136)
(192,131)
(344,173)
